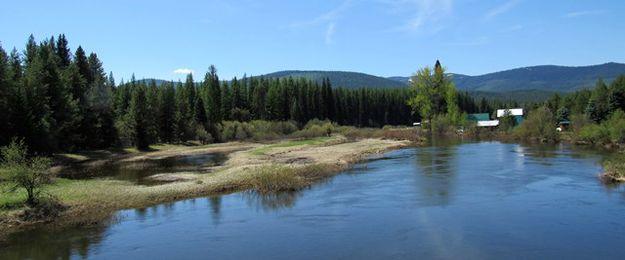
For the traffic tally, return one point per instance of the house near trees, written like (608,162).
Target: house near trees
(482,120)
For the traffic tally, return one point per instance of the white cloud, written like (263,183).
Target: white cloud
(184,71)
(329,16)
(329,19)
(421,12)
(505,7)
(583,13)
(330,34)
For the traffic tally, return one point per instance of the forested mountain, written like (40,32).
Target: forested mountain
(547,78)
(340,78)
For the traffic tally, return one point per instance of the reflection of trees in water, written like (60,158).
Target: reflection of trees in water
(438,173)
(45,243)
(271,201)
(540,153)
(215,204)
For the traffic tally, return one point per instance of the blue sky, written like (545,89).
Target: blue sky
(380,37)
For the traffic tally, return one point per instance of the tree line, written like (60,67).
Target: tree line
(59,100)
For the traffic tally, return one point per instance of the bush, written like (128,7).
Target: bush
(30,174)
(593,133)
(316,128)
(442,125)
(609,131)
(203,136)
(616,126)
(268,179)
(578,122)
(539,126)
(614,168)
(241,115)
(256,130)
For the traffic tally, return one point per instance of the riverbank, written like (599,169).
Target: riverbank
(288,164)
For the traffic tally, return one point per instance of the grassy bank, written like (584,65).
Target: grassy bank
(285,165)
(614,168)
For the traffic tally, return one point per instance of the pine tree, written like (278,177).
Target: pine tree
(226,101)
(199,113)
(213,96)
(5,90)
(617,94)
(184,115)
(63,52)
(37,120)
(138,111)
(82,62)
(167,113)
(212,102)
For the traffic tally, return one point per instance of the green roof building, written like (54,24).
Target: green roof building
(478,117)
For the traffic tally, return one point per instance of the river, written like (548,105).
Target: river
(486,200)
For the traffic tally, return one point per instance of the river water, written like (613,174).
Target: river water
(485,200)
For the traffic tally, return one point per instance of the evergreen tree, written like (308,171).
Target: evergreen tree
(226,101)
(63,52)
(167,113)
(213,95)
(184,115)
(617,94)
(5,90)
(138,111)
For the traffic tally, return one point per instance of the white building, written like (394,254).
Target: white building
(513,112)
(489,123)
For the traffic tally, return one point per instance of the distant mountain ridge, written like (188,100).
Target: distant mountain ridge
(550,78)
(533,82)
(340,78)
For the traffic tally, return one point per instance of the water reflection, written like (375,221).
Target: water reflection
(215,205)
(271,201)
(137,172)
(437,170)
(58,244)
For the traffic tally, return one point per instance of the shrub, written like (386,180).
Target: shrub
(268,179)
(578,122)
(241,115)
(30,174)
(203,136)
(611,130)
(539,126)
(442,125)
(616,126)
(316,128)
(614,168)
(507,122)
(593,133)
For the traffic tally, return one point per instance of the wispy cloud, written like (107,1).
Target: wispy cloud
(503,8)
(583,13)
(421,12)
(329,19)
(184,71)
(330,34)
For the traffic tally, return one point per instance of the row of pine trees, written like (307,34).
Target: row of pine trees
(58,100)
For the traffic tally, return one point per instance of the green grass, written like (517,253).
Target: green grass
(274,178)
(73,157)
(292,143)
(614,168)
